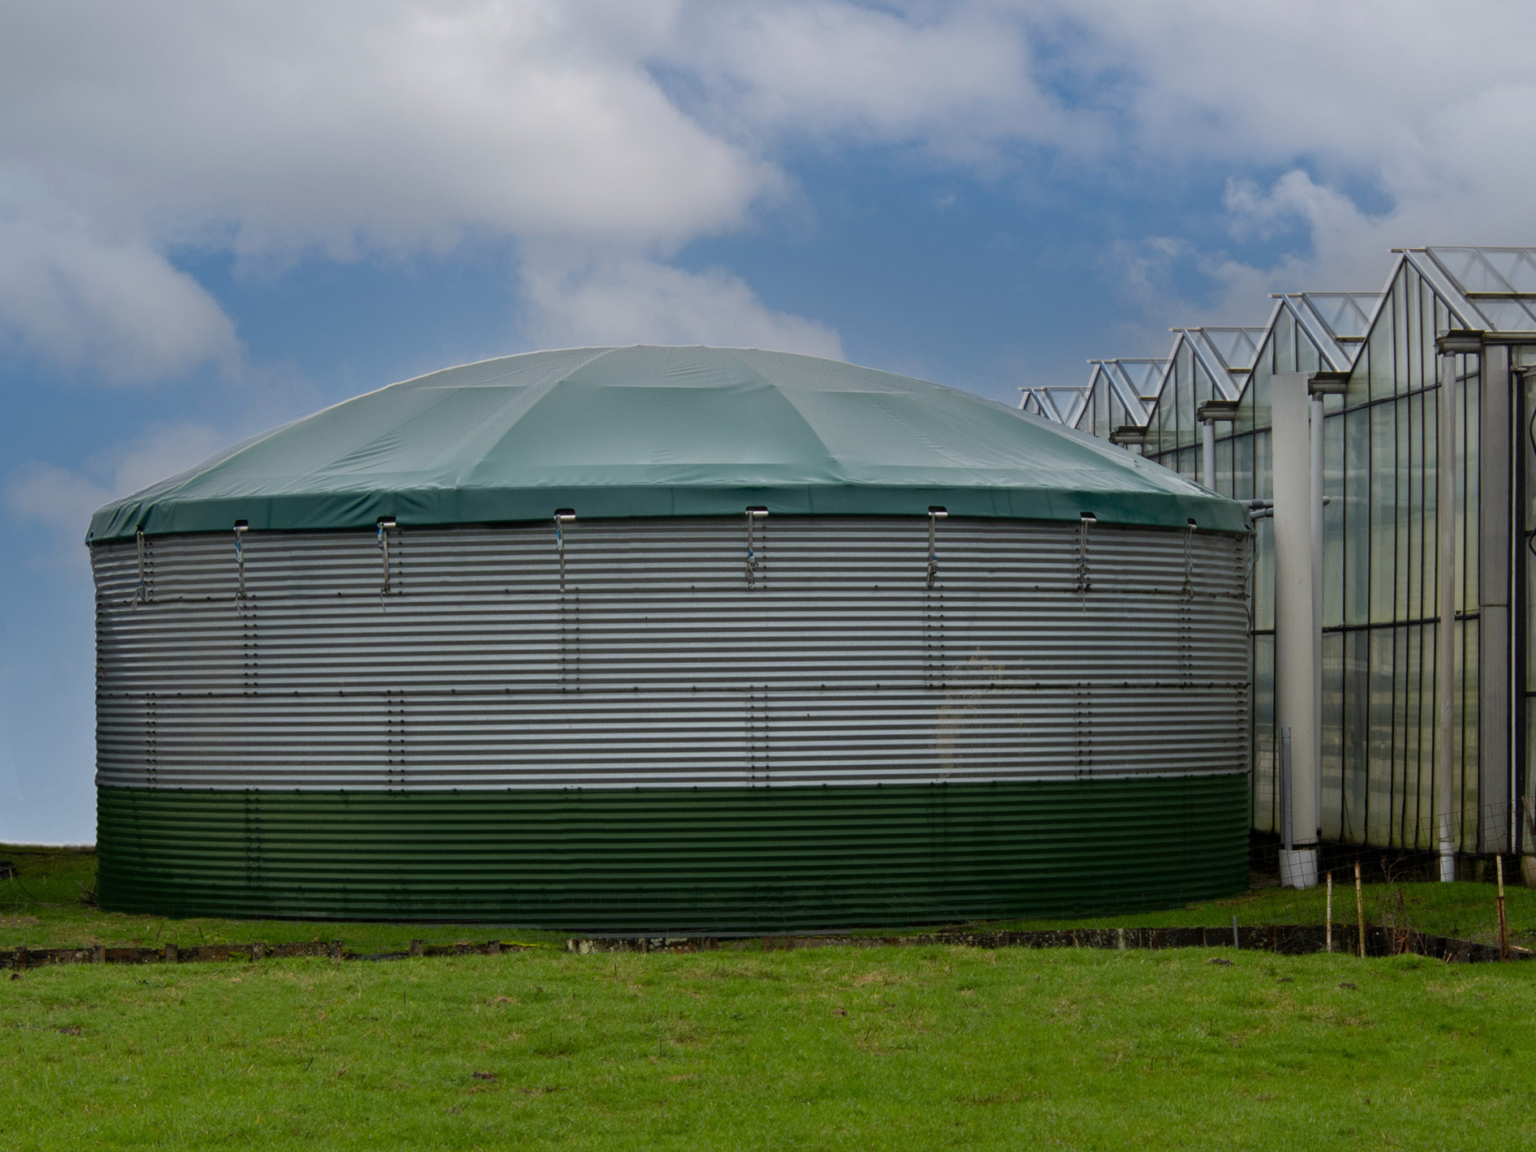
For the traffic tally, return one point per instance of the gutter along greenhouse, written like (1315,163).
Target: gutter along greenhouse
(1395,771)
(671,639)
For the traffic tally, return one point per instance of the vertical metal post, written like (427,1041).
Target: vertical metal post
(1328,916)
(1445,632)
(1295,620)
(1208,453)
(1359,910)
(1497,538)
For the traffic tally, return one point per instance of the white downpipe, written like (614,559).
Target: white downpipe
(1315,446)
(1208,453)
(1295,620)
(1445,656)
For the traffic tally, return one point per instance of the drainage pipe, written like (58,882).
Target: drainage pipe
(1445,632)
(1295,621)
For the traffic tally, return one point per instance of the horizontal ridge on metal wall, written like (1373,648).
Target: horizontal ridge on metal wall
(645,653)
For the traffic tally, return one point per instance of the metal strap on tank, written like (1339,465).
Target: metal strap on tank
(933,610)
(935,514)
(385,524)
(141,593)
(1083,583)
(240,529)
(754,561)
(1189,560)
(570,613)
(563,516)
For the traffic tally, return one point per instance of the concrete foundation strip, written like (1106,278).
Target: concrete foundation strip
(1284,939)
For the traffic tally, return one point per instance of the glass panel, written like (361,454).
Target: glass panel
(1333,521)
(1332,751)
(1356,697)
(1308,359)
(1467,486)
(1466,797)
(1285,344)
(1425,360)
(1357,490)
(1379,752)
(1419,713)
(1264,814)
(1359,391)
(1401,670)
(1429,566)
(1383,511)
(1403,531)
(1380,364)
(1184,393)
(1415,604)
(1258,384)
(1421,813)
(1242,467)
(1167,437)
(1264,575)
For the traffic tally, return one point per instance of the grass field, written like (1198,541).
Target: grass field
(837,1048)
(826,1048)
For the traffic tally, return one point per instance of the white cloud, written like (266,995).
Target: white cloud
(955,80)
(54,496)
(62,500)
(348,125)
(627,300)
(117,311)
(342,129)
(1389,133)
(349,129)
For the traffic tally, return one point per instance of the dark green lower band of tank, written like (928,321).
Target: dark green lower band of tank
(657,859)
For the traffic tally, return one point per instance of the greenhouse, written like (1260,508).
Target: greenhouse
(1375,363)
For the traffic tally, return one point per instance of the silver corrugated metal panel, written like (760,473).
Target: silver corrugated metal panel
(1041,651)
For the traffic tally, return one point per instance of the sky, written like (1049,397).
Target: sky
(215,218)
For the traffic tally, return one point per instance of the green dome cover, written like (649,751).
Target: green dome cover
(647,431)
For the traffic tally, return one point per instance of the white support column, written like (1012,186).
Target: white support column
(1496,537)
(1296,636)
(1315,506)
(1445,632)
(1208,453)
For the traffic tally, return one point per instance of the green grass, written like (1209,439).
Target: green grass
(51,905)
(44,909)
(896,1048)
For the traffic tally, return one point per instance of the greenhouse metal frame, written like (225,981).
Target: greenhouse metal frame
(1380,357)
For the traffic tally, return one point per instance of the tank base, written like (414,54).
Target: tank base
(678,859)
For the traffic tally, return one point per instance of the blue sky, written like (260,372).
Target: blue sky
(217,218)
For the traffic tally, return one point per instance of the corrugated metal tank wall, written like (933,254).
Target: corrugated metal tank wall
(642,728)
